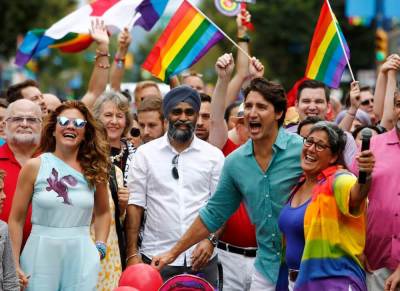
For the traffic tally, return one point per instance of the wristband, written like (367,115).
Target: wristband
(351,114)
(245,38)
(102,248)
(120,62)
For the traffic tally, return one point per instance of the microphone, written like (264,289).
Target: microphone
(366,135)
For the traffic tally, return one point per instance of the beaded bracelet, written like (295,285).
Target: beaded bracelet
(100,54)
(103,66)
(102,248)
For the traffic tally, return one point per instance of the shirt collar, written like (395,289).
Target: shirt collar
(280,142)
(392,137)
(194,145)
(7,154)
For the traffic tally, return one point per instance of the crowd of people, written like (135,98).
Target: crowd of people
(231,187)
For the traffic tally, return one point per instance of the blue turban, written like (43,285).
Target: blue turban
(181,94)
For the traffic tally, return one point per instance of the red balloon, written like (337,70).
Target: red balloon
(125,288)
(142,277)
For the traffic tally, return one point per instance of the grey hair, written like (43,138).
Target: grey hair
(336,137)
(120,101)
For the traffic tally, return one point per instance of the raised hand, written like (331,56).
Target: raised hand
(124,40)
(392,63)
(224,66)
(355,93)
(256,68)
(243,17)
(98,31)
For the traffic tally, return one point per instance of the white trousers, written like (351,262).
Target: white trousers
(237,269)
(260,283)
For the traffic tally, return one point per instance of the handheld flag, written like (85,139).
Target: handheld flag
(71,33)
(329,52)
(186,39)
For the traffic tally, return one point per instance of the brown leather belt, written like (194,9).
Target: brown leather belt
(293,275)
(247,252)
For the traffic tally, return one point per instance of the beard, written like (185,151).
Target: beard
(181,135)
(23,138)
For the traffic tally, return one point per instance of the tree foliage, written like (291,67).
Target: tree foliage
(284,30)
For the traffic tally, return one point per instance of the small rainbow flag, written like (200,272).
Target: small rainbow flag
(326,59)
(187,38)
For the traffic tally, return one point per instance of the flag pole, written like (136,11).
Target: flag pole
(340,39)
(220,30)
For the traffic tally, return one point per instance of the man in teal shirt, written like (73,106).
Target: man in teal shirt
(262,172)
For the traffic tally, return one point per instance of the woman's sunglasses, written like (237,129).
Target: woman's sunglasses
(65,121)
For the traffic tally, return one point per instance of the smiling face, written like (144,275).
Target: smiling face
(316,155)
(260,117)
(114,121)
(23,123)
(67,133)
(182,122)
(33,94)
(312,102)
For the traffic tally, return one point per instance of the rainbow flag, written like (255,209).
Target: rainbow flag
(70,34)
(326,59)
(186,39)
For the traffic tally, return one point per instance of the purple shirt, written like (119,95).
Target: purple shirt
(383,214)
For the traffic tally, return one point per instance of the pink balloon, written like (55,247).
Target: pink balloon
(125,288)
(142,277)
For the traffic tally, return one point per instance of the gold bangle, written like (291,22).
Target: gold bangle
(131,256)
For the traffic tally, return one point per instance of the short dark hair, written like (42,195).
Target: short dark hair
(336,138)
(229,109)
(308,120)
(14,91)
(378,130)
(272,92)
(205,98)
(313,84)
(151,103)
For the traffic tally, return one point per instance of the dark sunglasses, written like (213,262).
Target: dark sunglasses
(65,121)
(135,132)
(367,102)
(179,111)
(175,173)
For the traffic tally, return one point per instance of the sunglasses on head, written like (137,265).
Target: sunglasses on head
(135,132)
(65,121)
(367,102)
(175,173)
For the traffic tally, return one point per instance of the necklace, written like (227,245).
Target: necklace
(118,157)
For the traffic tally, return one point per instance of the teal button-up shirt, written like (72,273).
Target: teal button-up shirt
(264,194)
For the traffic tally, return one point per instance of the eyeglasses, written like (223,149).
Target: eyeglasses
(135,132)
(175,173)
(319,147)
(65,121)
(21,119)
(367,102)
(179,111)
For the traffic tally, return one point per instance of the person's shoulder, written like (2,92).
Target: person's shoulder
(208,147)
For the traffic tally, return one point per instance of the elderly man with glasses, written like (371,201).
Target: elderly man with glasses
(172,177)
(23,124)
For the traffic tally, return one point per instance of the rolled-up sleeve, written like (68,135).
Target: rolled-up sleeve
(224,202)
(137,180)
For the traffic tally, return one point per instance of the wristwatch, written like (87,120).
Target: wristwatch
(213,239)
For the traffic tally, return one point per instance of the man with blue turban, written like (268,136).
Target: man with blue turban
(172,177)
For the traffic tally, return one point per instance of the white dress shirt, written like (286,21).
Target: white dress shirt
(172,204)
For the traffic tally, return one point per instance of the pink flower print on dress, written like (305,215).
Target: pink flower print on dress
(61,186)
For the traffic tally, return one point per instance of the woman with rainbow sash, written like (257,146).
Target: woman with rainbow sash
(324,219)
